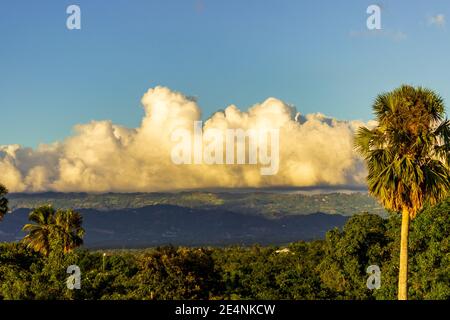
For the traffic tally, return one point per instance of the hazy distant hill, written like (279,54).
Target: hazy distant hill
(168,224)
(116,220)
(268,204)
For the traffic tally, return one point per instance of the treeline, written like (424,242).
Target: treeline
(333,268)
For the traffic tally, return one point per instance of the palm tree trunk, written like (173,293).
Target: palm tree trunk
(403,274)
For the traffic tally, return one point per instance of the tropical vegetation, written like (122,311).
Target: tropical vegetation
(333,268)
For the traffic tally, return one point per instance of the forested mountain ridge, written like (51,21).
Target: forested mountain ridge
(167,224)
(268,204)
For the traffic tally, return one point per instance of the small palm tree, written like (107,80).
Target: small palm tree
(39,233)
(3,202)
(51,227)
(68,225)
(408,157)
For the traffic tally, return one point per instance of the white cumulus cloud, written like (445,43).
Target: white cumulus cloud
(102,156)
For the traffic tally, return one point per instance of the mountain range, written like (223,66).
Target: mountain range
(195,218)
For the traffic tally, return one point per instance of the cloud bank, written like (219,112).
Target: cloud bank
(102,156)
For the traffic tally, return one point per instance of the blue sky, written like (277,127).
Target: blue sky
(316,55)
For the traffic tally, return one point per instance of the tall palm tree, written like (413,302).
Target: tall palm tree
(51,227)
(3,202)
(408,157)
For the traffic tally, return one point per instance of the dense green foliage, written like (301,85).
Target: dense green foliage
(269,204)
(333,268)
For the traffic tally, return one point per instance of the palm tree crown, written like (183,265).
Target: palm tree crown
(408,152)
(51,227)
